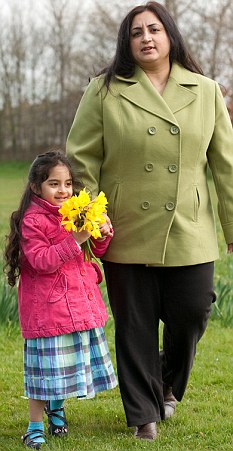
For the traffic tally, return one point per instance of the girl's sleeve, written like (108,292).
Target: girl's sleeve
(100,246)
(43,256)
(85,139)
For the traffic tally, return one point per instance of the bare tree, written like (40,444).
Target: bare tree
(12,52)
(36,72)
(62,25)
(178,8)
(210,37)
(50,48)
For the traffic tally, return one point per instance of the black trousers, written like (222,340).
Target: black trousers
(140,297)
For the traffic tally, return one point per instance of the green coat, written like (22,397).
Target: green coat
(149,154)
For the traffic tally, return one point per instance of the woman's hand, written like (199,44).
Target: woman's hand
(81,237)
(230,248)
(106,228)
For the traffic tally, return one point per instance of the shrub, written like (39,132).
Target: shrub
(8,303)
(223,307)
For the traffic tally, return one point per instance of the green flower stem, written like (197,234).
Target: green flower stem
(88,253)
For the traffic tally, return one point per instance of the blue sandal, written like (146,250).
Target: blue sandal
(30,441)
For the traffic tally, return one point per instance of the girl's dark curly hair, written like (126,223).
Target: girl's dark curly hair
(38,173)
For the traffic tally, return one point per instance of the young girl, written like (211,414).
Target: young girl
(61,310)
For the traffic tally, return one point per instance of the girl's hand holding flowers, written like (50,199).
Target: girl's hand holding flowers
(86,218)
(81,236)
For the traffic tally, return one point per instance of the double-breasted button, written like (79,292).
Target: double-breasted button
(149,167)
(152,130)
(174,130)
(172,167)
(90,296)
(83,272)
(170,206)
(145,205)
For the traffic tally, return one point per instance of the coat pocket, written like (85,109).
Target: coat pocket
(196,203)
(59,289)
(98,272)
(114,202)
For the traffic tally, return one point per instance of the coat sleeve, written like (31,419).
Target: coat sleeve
(43,256)
(220,157)
(100,246)
(85,139)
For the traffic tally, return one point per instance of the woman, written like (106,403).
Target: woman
(145,131)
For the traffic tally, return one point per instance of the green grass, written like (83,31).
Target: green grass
(203,420)
(13,178)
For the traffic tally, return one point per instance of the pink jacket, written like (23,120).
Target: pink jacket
(58,292)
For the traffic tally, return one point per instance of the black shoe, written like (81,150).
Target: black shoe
(53,429)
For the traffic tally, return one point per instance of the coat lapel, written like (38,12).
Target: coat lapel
(177,95)
(179,92)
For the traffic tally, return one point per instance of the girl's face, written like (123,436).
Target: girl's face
(150,45)
(58,186)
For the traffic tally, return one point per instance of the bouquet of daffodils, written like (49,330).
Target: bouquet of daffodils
(81,213)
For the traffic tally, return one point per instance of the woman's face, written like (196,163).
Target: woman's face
(150,45)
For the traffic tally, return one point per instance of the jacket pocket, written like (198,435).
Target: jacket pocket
(98,272)
(59,289)
(114,202)
(196,203)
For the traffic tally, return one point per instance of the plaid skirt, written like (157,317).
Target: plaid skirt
(65,366)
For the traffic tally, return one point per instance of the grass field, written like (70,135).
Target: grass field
(203,420)
(13,178)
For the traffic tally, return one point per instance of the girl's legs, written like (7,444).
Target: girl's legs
(36,411)
(54,405)
(57,424)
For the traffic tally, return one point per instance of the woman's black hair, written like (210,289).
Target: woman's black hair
(38,173)
(123,63)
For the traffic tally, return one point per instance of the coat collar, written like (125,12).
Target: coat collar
(178,94)
(47,207)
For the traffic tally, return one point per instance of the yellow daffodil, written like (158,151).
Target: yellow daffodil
(82,200)
(82,213)
(101,199)
(67,208)
(69,225)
